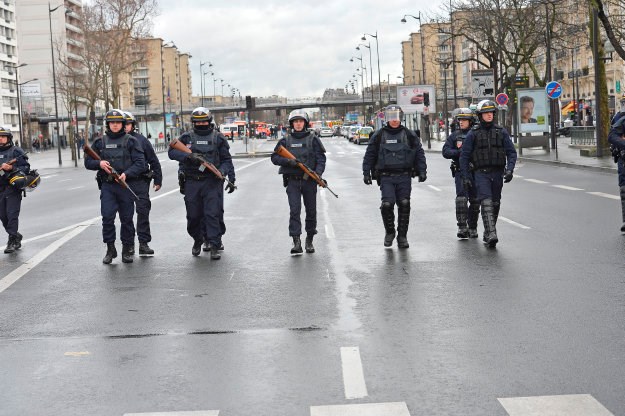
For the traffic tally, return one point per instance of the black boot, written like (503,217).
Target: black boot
(18,241)
(207,246)
(145,250)
(197,247)
(11,245)
(131,249)
(309,243)
(215,255)
(111,253)
(297,245)
(488,216)
(462,213)
(623,207)
(126,254)
(388,219)
(403,212)
(474,214)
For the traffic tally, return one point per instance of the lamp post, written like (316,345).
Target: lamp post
(511,72)
(377,51)
(163,45)
(362,82)
(368,46)
(202,80)
(403,20)
(145,108)
(19,107)
(56,106)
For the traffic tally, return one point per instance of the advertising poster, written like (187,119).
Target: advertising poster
(411,97)
(532,110)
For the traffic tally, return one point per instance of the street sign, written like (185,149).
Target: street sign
(554,90)
(482,83)
(502,99)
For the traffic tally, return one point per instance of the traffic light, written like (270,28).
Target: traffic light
(248,101)
(426,99)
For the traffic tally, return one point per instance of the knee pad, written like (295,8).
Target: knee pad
(462,200)
(404,204)
(386,206)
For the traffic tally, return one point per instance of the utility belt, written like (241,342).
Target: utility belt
(454,168)
(196,177)
(490,169)
(617,153)
(147,176)
(394,173)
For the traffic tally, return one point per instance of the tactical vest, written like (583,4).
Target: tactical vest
(116,152)
(488,150)
(303,150)
(207,147)
(395,153)
(5,157)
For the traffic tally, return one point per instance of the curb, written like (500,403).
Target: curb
(251,155)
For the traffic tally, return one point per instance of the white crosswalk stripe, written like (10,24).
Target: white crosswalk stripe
(368,409)
(564,405)
(192,413)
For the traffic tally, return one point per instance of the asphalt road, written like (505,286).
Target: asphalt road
(446,327)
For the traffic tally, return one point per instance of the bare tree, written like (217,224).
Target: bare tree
(611,13)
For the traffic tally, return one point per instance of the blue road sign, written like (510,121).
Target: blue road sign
(502,99)
(554,90)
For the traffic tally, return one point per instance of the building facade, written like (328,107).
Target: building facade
(9,116)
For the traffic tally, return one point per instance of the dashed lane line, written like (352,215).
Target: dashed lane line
(353,375)
(435,188)
(604,195)
(535,181)
(516,224)
(75,187)
(568,188)
(48,176)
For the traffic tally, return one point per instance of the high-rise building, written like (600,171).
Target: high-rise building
(33,20)
(8,63)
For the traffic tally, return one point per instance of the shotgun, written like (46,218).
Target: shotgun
(92,154)
(282,151)
(178,145)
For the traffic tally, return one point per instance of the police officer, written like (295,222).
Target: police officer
(309,150)
(122,152)
(490,151)
(616,137)
(141,186)
(393,157)
(466,216)
(11,181)
(203,191)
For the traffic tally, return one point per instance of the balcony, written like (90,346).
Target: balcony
(72,28)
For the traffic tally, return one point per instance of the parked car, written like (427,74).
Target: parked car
(326,132)
(417,99)
(351,131)
(362,135)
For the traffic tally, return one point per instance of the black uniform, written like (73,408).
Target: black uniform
(203,192)
(125,155)
(616,138)
(308,149)
(141,186)
(490,151)
(466,216)
(11,196)
(393,157)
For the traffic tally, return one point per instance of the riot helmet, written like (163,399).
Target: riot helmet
(6,132)
(115,115)
(486,106)
(299,115)
(393,113)
(201,115)
(33,179)
(130,119)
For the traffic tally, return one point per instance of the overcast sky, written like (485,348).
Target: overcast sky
(290,48)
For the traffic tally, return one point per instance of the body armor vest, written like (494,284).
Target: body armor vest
(488,151)
(207,147)
(116,152)
(459,137)
(395,153)
(5,157)
(303,150)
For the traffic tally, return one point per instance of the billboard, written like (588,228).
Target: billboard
(532,110)
(482,84)
(410,98)
(32,89)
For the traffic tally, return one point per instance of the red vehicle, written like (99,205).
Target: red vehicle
(417,99)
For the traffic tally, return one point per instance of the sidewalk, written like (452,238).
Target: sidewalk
(567,156)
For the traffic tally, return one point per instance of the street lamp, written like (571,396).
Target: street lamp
(163,45)
(145,107)
(19,107)
(56,106)
(202,79)
(362,82)
(370,64)
(377,51)
(403,20)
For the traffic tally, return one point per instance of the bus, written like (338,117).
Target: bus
(234,129)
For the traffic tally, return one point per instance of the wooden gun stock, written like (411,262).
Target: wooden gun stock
(282,151)
(88,150)
(10,162)
(178,145)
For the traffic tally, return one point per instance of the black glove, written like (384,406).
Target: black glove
(292,163)
(367,179)
(194,159)
(230,187)
(507,177)
(466,183)
(423,177)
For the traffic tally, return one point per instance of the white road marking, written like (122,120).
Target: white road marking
(564,405)
(74,188)
(353,375)
(367,409)
(65,180)
(604,195)
(516,224)
(435,188)
(340,153)
(16,274)
(568,188)
(192,413)
(329,231)
(518,176)
(231,276)
(535,181)
(48,176)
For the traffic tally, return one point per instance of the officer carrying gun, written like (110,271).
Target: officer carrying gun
(616,138)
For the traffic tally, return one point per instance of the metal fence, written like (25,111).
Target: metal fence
(583,136)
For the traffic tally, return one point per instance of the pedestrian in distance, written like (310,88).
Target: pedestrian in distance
(308,150)
(489,153)
(616,138)
(141,186)
(467,205)
(13,168)
(203,190)
(393,157)
(121,159)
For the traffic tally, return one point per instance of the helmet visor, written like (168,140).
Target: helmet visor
(392,115)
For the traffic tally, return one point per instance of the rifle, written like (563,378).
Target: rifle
(178,145)
(88,150)
(11,162)
(282,151)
